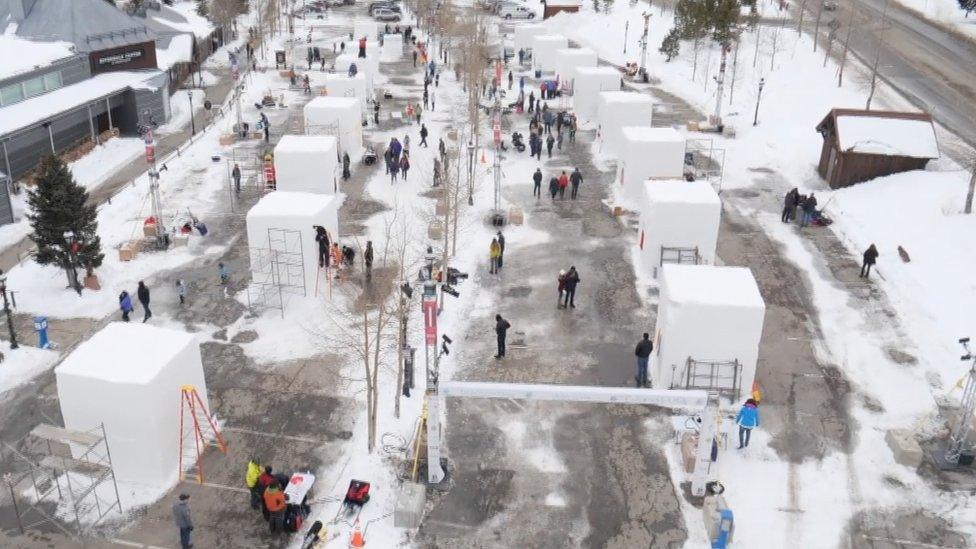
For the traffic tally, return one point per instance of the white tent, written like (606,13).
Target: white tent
(648,153)
(340,84)
(544,50)
(128,377)
(307,163)
(589,82)
(392,49)
(617,109)
(281,237)
(709,326)
(338,116)
(679,222)
(568,59)
(524,35)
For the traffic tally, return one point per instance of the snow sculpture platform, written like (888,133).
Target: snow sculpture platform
(678,223)
(713,316)
(281,237)
(336,116)
(128,376)
(524,35)
(648,153)
(544,48)
(567,61)
(307,163)
(392,49)
(342,85)
(587,86)
(616,110)
(369,66)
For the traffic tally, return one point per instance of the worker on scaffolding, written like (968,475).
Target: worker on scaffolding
(322,237)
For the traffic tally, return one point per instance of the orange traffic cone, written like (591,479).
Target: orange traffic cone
(357,537)
(483,159)
(756,392)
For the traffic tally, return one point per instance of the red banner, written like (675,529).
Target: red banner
(430,319)
(150,153)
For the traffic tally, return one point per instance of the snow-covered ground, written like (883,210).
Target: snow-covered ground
(946,12)
(22,364)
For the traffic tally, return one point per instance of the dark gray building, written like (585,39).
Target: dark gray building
(86,68)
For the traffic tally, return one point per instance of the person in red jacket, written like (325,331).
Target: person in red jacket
(563,183)
(362,47)
(274,500)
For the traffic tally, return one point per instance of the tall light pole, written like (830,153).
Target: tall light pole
(643,42)
(626,28)
(471,149)
(193,126)
(755,119)
(6,310)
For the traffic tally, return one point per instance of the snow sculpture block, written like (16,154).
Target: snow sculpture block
(568,59)
(307,163)
(342,85)
(712,314)
(364,27)
(682,216)
(128,376)
(524,35)
(283,222)
(648,153)
(617,109)
(368,67)
(588,84)
(336,116)
(544,48)
(392,49)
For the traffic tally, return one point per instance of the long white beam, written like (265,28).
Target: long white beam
(670,398)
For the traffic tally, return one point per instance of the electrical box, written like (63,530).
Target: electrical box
(719,521)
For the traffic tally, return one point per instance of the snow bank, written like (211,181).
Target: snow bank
(23,364)
(307,163)
(128,377)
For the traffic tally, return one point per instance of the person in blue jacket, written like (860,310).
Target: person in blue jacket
(125,303)
(748,419)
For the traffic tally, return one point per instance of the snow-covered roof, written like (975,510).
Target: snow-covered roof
(49,105)
(291,204)
(126,352)
(711,285)
(331,102)
(179,50)
(596,71)
(625,97)
(183,17)
(680,191)
(652,135)
(30,54)
(887,135)
(306,143)
(564,3)
(90,25)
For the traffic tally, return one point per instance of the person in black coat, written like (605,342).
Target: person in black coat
(575,179)
(322,237)
(550,141)
(368,259)
(501,246)
(644,348)
(870,258)
(572,279)
(423,135)
(537,183)
(809,210)
(143,293)
(501,327)
(553,187)
(346,174)
(790,203)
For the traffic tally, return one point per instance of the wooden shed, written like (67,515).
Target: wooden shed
(552,7)
(861,145)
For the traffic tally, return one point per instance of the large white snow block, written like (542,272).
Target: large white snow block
(284,222)
(338,116)
(544,48)
(342,85)
(568,59)
(524,35)
(392,49)
(648,153)
(589,82)
(617,109)
(368,66)
(677,214)
(307,163)
(364,27)
(707,313)
(128,377)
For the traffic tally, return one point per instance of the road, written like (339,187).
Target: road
(932,66)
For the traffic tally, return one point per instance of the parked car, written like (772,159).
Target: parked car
(509,11)
(385,14)
(385,4)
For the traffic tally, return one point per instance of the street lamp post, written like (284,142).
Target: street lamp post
(471,148)
(755,119)
(6,310)
(193,126)
(70,241)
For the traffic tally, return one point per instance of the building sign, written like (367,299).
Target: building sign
(122,58)
(430,319)
(132,56)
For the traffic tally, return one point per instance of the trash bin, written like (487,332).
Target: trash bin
(538,73)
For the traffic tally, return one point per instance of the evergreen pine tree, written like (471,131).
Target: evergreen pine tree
(202,8)
(968,6)
(671,45)
(59,204)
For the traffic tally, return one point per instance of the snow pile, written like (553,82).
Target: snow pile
(888,136)
(137,369)
(307,163)
(29,54)
(679,215)
(23,364)
(707,313)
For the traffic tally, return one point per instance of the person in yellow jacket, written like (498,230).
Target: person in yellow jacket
(251,479)
(494,253)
